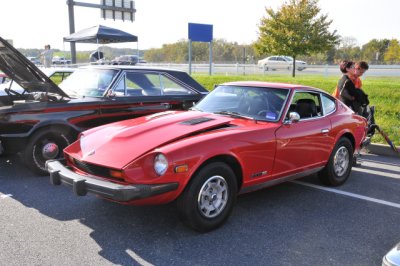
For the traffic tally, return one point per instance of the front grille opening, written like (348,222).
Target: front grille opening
(94,169)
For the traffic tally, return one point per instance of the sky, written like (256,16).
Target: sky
(34,23)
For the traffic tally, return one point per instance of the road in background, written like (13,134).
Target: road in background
(251,69)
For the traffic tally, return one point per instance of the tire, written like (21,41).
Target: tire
(44,145)
(338,169)
(208,199)
(266,68)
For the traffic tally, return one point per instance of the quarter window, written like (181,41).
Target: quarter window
(328,105)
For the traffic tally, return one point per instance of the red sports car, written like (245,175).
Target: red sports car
(242,137)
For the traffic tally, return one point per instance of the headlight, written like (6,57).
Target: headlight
(160,164)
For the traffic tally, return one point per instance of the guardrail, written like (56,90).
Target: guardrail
(253,69)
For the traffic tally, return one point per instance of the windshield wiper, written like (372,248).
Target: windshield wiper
(234,114)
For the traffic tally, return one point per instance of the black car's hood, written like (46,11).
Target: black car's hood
(24,72)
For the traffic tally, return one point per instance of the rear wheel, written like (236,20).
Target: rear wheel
(209,197)
(44,145)
(338,169)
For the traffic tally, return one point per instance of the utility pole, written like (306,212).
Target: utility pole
(124,8)
(71,16)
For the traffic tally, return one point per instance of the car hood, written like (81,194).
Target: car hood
(24,72)
(132,138)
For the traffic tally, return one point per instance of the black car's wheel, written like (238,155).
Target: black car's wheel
(339,165)
(209,197)
(45,145)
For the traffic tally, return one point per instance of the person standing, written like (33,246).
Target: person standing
(359,69)
(346,87)
(47,56)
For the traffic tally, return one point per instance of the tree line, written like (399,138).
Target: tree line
(376,51)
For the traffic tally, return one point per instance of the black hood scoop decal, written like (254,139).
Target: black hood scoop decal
(196,121)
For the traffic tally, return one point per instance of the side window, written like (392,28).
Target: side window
(328,105)
(148,84)
(57,77)
(120,88)
(306,104)
(170,87)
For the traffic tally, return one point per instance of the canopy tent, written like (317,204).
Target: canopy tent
(101,34)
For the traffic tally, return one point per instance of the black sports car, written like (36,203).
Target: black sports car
(39,122)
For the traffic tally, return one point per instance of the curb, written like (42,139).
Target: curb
(380,149)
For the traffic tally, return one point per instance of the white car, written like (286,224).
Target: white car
(57,60)
(52,73)
(280,62)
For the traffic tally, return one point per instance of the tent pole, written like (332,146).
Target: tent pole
(98,52)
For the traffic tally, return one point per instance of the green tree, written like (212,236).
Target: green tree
(296,28)
(392,54)
(374,50)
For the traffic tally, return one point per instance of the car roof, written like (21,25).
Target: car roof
(178,74)
(264,84)
(278,85)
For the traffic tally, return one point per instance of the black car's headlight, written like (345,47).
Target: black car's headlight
(160,164)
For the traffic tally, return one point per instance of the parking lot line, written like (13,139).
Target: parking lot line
(377,173)
(138,259)
(384,202)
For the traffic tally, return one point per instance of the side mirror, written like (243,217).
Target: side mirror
(294,117)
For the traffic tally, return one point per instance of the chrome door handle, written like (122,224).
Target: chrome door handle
(325,131)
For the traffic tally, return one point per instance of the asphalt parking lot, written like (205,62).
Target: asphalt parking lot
(296,223)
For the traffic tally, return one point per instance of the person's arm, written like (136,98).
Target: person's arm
(344,92)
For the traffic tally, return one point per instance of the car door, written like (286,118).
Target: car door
(305,144)
(280,62)
(272,62)
(138,93)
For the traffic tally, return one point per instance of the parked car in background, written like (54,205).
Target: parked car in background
(42,120)
(58,60)
(280,62)
(125,60)
(57,75)
(34,60)
(392,258)
(241,137)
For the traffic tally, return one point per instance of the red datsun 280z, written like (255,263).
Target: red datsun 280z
(241,137)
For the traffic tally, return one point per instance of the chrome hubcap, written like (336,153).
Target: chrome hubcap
(341,161)
(50,151)
(213,197)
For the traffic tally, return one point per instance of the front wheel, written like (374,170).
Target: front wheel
(209,197)
(338,169)
(44,145)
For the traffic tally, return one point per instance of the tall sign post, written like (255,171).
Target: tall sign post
(123,9)
(200,33)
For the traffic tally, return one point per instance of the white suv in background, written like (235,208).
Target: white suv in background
(280,62)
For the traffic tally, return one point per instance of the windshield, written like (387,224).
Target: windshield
(88,82)
(252,102)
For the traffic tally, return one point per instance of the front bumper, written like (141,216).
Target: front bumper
(81,185)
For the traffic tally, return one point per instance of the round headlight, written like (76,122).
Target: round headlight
(160,164)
